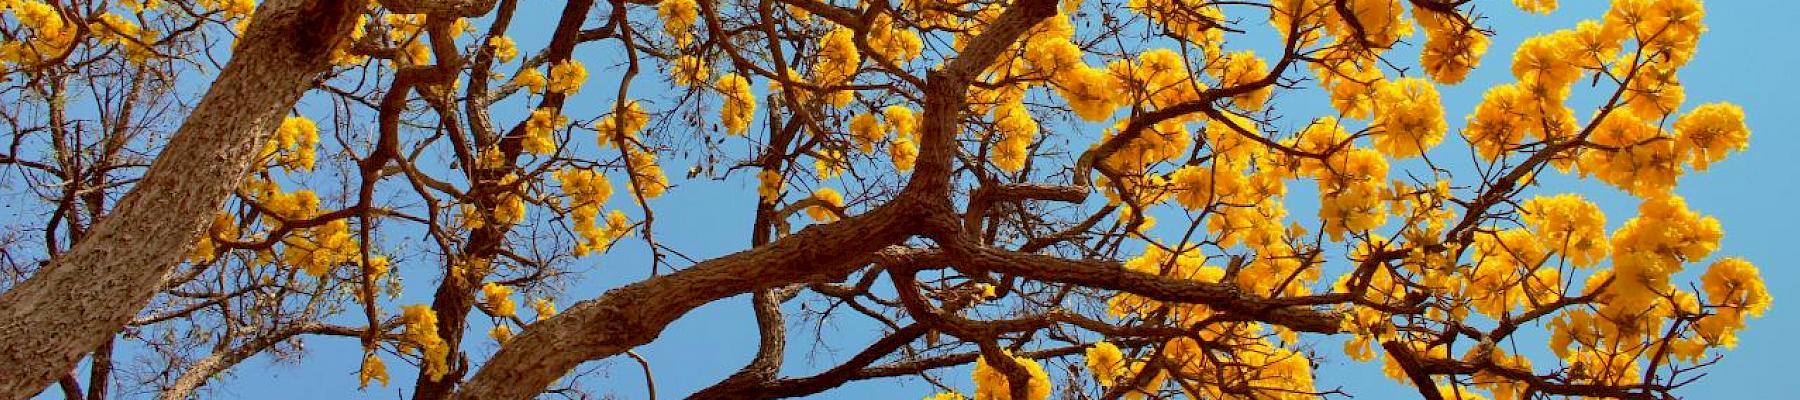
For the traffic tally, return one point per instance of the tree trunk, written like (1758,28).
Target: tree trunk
(91,291)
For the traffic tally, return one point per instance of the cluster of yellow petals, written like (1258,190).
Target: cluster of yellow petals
(315,250)
(566,77)
(206,250)
(421,332)
(531,79)
(115,29)
(769,185)
(540,130)
(503,48)
(894,42)
(1106,362)
(1242,68)
(829,164)
(372,369)
(499,299)
(1711,131)
(647,178)
(904,148)
(1452,48)
(588,191)
(739,106)
(689,71)
(1736,289)
(865,131)
(1569,225)
(678,18)
(294,146)
(831,199)
(1197,22)
(837,61)
(1017,130)
(544,308)
(991,383)
(1410,116)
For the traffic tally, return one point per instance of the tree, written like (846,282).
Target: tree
(943,159)
(120,261)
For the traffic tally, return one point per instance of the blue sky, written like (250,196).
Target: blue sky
(1751,194)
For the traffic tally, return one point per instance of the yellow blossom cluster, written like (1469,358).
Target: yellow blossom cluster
(1508,272)
(421,333)
(372,369)
(739,104)
(1569,225)
(1017,130)
(588,191)
(223,226)
(540,130)
(678,18)
(1711,131)
(1736,290)
(837,62)
(531,79)
(865,131)
(1411,117)
(904,148)
(769,185)
(114,29)
(893,42)
(690,71)
(1242,69)
(544,308)
(567,76)
(1452,47)
(1196,22)
(991,383)
(831,199)
(503,48)
(499,299)
(294,146)
(500,332)
(315,250)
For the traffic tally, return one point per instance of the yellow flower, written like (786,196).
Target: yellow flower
(865,131)
(1711,131)
(830,197)
(904,153)
(372,369)
(992,384)
(500,333)
(531,79)
(769,186)
(678,19)
(499,299)
(1106,362)
(503,48)
(690,71)
(740,105)
(421,331)
(1411,117)
(566,77)
(544,307)
(1536,6)
(540,129)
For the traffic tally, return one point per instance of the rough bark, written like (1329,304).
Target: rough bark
(213,364)
(636,314)
(455,298)
(91,291)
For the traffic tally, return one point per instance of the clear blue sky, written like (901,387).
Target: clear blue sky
(1751,194)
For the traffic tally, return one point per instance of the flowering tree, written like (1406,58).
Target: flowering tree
(1091,183)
